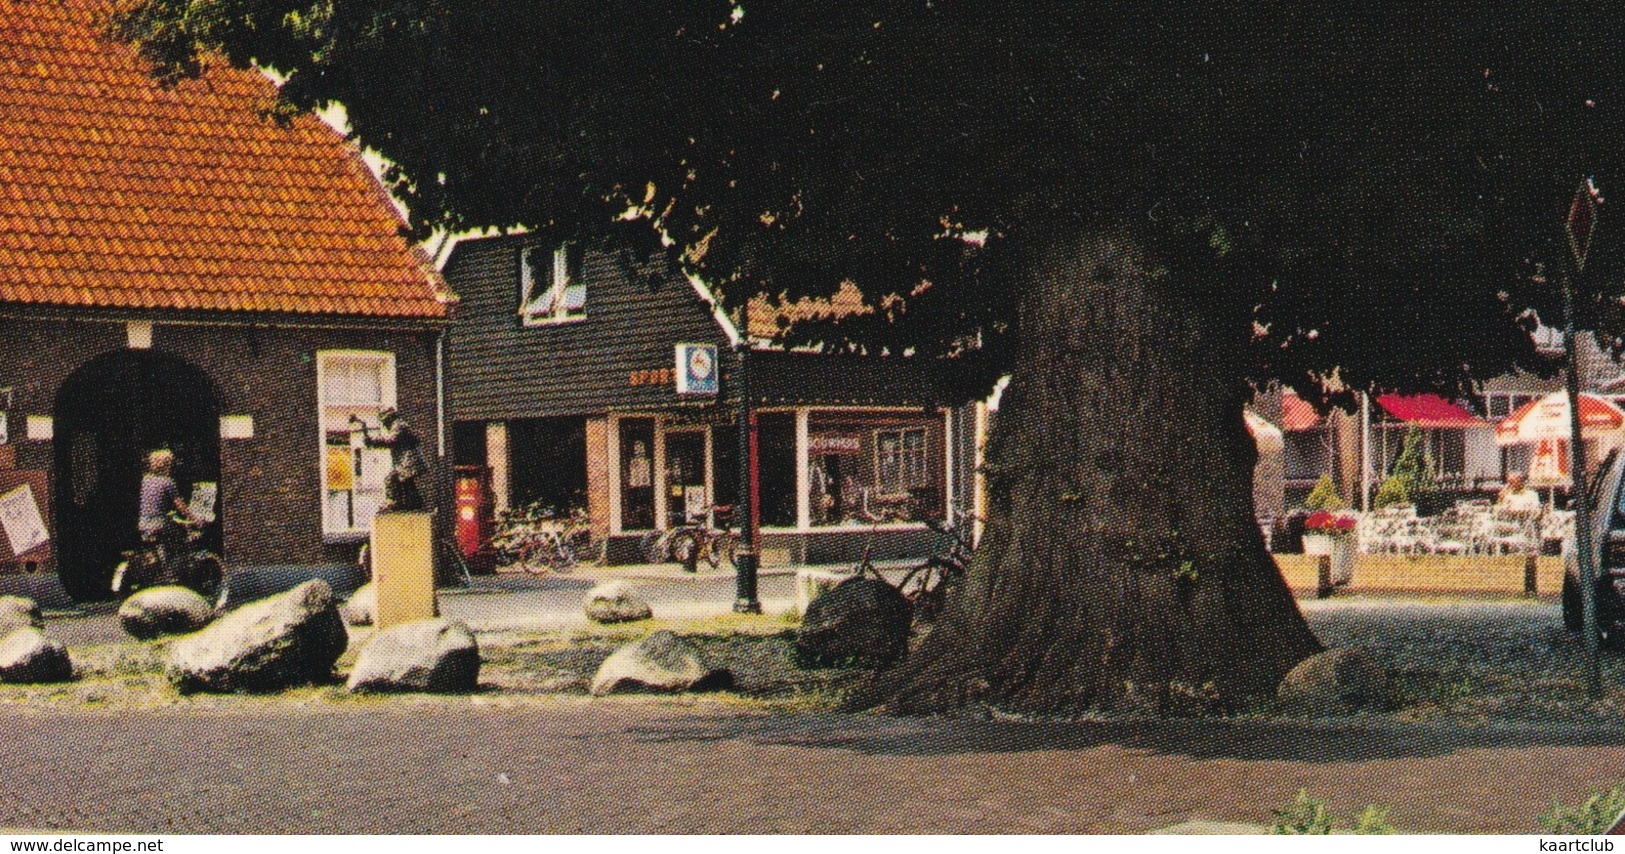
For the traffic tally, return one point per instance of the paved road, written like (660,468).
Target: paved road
(629,766)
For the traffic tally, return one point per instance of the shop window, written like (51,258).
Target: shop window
(874,468)
(1306,454)
(352,385)
(547,463)
(900,460)
(552,284)
(1498,405)
(637,474)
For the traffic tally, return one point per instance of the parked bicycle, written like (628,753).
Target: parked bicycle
(926,585)
(698,540)
(174,557)
(540,540)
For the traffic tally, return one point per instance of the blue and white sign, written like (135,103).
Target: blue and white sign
(697,369)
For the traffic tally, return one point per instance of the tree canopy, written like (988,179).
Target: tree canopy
(1343,189)
(1139,211)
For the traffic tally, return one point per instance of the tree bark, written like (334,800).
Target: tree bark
(1121,567)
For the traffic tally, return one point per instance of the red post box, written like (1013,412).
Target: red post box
(475,522)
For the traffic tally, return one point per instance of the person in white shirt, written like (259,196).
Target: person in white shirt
(1517,500)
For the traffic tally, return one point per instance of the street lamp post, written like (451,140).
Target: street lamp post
(745,598)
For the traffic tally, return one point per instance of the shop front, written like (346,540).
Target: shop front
(830,481)
(625,404)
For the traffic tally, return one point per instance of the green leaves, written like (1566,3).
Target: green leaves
(1307,816)
(1595,814)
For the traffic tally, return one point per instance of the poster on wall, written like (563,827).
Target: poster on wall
(21,520)
(204,494)
(694,503)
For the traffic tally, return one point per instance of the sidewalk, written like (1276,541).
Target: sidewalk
(509,601)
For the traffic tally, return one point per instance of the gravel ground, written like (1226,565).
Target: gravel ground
(1475,661)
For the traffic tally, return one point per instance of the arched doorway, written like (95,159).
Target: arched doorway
(109,414)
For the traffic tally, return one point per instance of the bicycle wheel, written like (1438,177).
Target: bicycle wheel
(208,577)
(684,548)
(927,586)
(563,554)
(723,547)
(653,547)
(532,556)
(585,547)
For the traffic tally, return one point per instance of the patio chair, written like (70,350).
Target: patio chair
(1445,533)
(1392,530)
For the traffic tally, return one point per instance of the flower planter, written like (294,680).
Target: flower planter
(1341,549)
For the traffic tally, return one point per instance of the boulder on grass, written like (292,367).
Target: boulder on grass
(661,662)
(27,655)
(614,602)
(862,620)
(167,610)
(423,655)
(19,612)
(292,638)
(1335,682)
(362,606)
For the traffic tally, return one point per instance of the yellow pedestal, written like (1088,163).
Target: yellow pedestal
(403,567)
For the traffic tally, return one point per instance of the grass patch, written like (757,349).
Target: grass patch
(517,668)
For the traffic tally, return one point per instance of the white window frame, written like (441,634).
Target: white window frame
(545,303)
(384,362)
(924,463)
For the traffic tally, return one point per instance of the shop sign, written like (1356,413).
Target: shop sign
(21,520)
(825,444)
(654,376)
(697,369)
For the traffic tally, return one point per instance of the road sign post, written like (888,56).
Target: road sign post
(1580,224)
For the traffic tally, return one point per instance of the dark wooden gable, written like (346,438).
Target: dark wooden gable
(619,356)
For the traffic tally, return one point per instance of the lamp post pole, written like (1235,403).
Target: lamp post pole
(745,598)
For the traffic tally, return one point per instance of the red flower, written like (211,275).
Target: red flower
(1327,522)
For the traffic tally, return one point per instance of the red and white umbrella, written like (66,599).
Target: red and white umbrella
(1547,420)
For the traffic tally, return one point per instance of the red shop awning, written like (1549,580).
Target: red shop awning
(1428,410)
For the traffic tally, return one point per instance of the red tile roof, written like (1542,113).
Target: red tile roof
(1297,413)
(118,193)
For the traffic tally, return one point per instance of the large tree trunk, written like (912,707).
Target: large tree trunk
(1121,567)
